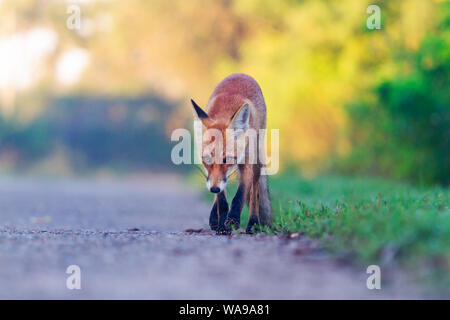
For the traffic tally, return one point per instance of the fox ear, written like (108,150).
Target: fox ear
(240,119)
(202,115)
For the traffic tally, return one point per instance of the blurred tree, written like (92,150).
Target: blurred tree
(406,127)
(311,58)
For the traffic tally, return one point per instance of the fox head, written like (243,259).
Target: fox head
(220,152)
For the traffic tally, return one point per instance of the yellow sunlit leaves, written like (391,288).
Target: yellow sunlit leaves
(310,57)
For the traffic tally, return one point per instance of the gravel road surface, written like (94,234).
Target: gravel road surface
(128,238)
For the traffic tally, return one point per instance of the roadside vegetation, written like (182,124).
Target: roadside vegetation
(369,220)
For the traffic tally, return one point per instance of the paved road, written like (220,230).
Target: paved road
(128,239)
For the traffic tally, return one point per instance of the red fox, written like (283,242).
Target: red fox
(237,103)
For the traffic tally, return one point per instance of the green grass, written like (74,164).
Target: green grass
(370,220)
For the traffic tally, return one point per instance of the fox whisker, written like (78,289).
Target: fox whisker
(233,173)
(200,169)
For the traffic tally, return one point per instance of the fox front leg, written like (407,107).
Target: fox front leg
(253,205)
(218,212)
(234,216)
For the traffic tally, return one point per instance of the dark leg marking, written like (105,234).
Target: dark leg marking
(234,216)
(253,221)
(217,217)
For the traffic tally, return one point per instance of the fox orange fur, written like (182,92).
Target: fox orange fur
(236,103)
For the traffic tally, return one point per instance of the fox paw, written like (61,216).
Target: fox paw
(223,231)
(232,223)
(253,223)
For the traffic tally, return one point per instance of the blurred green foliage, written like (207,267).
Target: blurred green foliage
(113,131)
(94,132)
(404,131)
(30,141)
(344,97)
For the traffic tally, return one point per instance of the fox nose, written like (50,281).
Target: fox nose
(215,189)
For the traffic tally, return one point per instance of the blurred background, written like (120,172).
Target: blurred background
(105,97)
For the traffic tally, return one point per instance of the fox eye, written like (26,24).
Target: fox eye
(207,159)
(228,160)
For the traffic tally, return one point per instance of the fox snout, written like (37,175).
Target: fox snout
(216,185)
